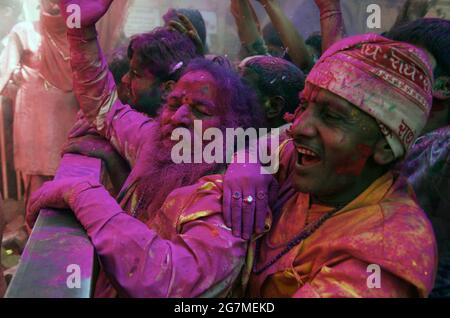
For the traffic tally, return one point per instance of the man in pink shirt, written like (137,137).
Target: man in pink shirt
(167,238)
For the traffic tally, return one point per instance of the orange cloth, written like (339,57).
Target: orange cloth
(382,226)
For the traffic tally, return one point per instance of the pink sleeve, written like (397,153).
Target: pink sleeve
(203,259)
(351,279)
(96,93)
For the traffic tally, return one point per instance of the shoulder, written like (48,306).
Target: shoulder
(199,201)
(394,233)
(406,245)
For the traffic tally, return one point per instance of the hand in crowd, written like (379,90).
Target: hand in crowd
(241,181)
(82,127)
(91,11)
(90,145)
(57,194)
(185,26)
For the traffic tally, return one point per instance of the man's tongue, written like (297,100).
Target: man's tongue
(309,160)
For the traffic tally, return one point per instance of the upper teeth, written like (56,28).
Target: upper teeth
(306,152)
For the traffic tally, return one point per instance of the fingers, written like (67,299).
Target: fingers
(226,205)
(262,208)
(81,128)
(248,214)
(33,207)
(195,38)
(70,147)
(186,22)
(236,213)
(191,31)
(177,26)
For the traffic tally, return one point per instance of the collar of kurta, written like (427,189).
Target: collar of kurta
(373,194)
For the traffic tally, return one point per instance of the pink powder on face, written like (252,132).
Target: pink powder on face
(356,162)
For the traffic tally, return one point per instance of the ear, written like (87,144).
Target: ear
(166,88)
(276,106)
(383,154)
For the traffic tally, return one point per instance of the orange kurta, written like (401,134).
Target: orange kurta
(382,226)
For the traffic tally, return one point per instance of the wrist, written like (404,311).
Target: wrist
(270,5)
(326,14)
(330,6)
(73,195)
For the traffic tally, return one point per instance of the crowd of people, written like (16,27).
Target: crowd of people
(364,170)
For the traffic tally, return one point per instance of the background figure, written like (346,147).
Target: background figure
(194,16)
(9,14)
(2,226)
(9,11)
(119,65)
(314,45)
(273,41)
(36,62)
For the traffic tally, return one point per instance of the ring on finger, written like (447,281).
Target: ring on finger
(248,199)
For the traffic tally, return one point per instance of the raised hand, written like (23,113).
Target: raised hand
(185,26)
(91,10)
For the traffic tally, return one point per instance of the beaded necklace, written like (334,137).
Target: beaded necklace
(307,232)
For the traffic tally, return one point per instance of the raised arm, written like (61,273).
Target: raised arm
(94,85)
(248,27)
(331,22)
(291,38)
(192,255)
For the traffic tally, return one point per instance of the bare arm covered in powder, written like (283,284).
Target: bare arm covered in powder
(248,28)
(292,40)
(331,22)
(190,253)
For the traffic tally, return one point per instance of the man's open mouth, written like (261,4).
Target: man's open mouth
(307,157)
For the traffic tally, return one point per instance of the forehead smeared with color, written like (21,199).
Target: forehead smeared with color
(200,82)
